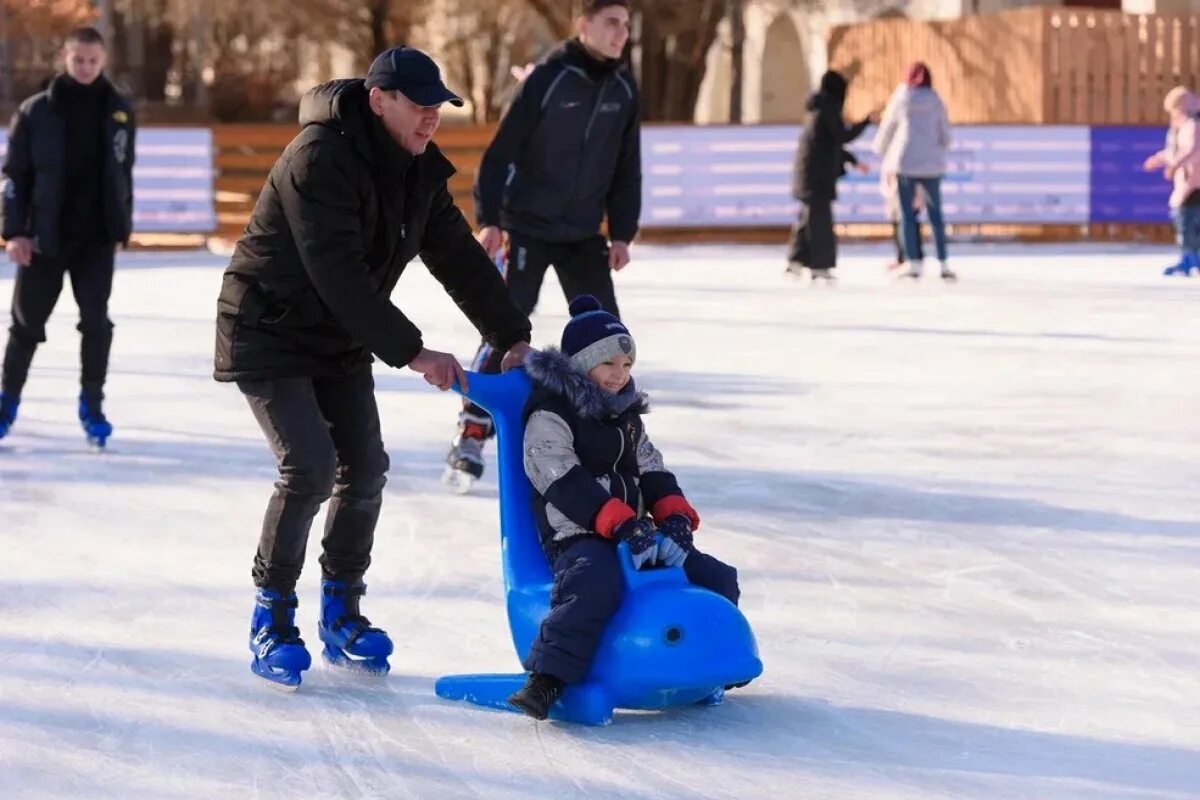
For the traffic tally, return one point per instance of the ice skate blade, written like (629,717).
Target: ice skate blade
(280,680)
(374,667)
(457,481)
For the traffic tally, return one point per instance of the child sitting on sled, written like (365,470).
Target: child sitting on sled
(599,481)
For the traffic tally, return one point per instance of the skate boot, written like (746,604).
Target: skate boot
(824,276)
(95,425)
(350,641)
(948,275)
(795,269)
(537,695)
(1184,267)
(464,462)
(8,412)
(279,652)
(913,273)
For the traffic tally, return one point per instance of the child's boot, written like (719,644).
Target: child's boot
(350,641)
(537,695)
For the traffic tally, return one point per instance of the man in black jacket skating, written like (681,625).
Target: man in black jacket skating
(566,155)
(304,305)
(68,201)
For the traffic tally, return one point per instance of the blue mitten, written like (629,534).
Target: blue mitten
(639,535)
(678,529)
(670,553)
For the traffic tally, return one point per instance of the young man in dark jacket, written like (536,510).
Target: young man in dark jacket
(820,161)
(68,201)
(304,305)
(566,155)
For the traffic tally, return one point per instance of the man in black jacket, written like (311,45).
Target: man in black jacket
(68,201)
(304,305)
(566,154)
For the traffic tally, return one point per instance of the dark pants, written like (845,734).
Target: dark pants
(898,239)
(814,244)
(932,187)
(90,265)
(582,268)
(325,435)
(586,595)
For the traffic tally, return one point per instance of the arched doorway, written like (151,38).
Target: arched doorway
(785,81)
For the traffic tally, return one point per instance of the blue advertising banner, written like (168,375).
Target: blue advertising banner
(698,176)
(172,180)
(1121,190)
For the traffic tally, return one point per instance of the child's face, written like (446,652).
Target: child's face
(612,374)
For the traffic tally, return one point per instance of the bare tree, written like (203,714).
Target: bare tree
(481,42)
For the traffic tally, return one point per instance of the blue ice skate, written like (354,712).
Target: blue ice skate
(279,652)
(1184,267)
(350,641)
(670,644)
(95,425)
(8,413)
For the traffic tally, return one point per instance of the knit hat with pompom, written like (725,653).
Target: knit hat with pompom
(593,335)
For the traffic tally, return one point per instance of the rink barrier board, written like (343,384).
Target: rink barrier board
(736,180)
(172,180)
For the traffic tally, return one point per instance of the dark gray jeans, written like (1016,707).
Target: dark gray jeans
(325,435)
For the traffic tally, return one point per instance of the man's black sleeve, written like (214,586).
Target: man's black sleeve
(515,129)
(455,258)
(324,213)
(856,130)
(18,178)
(625,194)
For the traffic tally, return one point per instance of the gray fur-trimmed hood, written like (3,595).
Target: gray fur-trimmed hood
(552,371)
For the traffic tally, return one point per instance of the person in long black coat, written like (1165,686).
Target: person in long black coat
(820,160)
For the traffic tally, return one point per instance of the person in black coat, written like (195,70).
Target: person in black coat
(598,480)
(68,201)
(305,304)
(566,155)
(820,161)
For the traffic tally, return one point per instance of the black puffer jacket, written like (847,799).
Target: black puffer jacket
(822,158)
(35,167)
(567,152)
(343,212)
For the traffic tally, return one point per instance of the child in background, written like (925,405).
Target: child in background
(599,481)
(1180,163)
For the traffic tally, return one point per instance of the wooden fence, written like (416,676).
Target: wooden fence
(1027,66)
(244,155)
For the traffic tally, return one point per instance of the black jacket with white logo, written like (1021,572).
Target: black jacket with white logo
(567,152)
(35,169)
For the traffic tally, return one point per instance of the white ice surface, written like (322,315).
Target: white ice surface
(966,519)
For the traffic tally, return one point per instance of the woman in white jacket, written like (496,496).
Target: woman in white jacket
(913,140)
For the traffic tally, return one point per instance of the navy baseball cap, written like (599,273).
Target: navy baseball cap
(412,73)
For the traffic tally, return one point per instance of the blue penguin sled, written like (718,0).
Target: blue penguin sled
(670,643)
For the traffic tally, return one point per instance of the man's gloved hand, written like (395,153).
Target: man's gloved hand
(678,529)
(639,535)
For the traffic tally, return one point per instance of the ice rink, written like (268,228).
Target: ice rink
(966,520)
